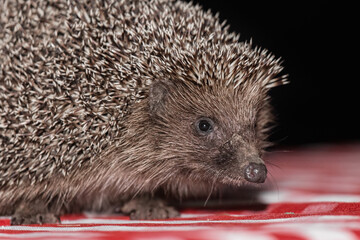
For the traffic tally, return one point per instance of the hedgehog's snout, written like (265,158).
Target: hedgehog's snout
(242,159)
(255,172)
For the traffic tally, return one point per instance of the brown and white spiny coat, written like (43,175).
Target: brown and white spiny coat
(102,101)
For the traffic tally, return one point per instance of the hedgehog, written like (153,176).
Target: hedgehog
(122,105)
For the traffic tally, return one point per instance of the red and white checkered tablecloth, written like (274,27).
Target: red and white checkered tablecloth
(311,193)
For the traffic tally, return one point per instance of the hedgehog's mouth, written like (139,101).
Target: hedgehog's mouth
(249,172)
(250,175)
(233,181)
(237,182)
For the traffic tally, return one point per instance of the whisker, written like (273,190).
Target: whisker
(273,164)
(280,151)
(211,190)
(273,182)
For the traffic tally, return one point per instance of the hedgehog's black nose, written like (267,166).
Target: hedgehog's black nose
(255,172)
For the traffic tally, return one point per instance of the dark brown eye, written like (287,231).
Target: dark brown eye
(204,125)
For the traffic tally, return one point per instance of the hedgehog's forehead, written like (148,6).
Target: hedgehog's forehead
(221,102)
(230,65)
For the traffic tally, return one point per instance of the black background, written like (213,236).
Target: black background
(317,44)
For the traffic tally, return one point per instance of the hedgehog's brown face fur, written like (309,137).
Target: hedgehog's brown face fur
(211,132)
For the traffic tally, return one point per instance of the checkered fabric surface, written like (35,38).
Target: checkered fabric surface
(311,193)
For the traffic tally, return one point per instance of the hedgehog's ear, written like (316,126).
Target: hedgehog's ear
(157,95)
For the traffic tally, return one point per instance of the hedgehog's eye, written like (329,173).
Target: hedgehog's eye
(204,125)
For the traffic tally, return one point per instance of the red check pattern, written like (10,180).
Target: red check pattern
(311,193)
